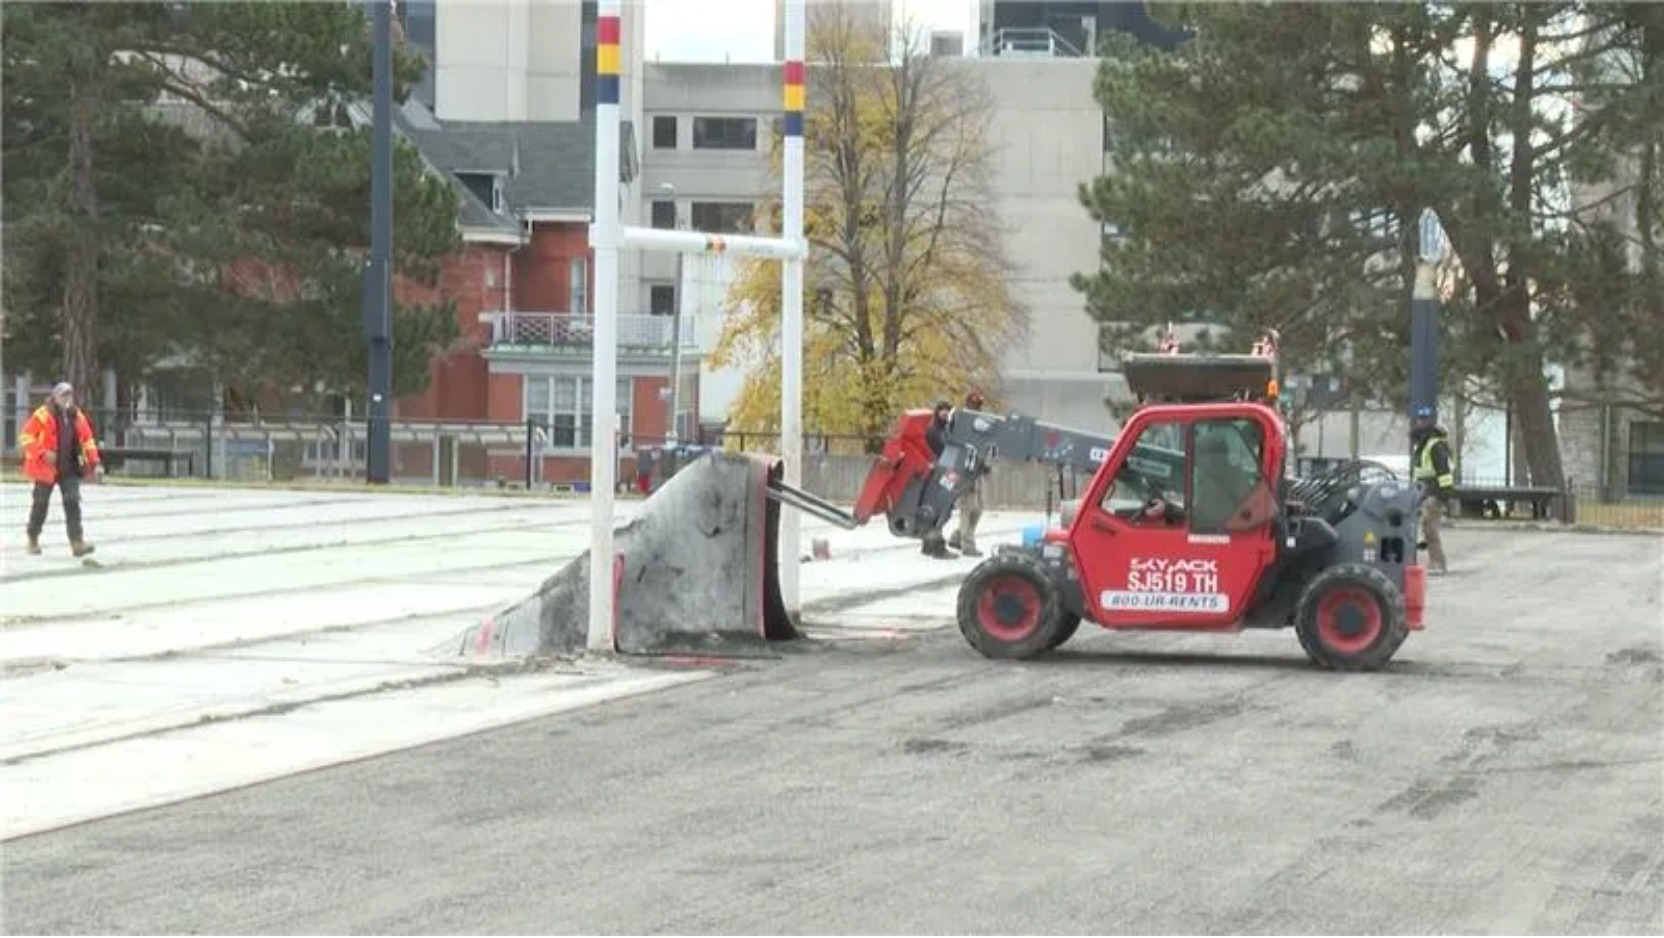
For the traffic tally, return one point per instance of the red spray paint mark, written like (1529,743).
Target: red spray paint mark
(617,584)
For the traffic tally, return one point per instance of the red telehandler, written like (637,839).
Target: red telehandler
(1191,521)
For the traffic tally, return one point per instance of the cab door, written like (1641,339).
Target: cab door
(1179,526)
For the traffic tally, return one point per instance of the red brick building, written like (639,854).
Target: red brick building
(523,287)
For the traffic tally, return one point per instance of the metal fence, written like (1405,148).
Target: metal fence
(520,455)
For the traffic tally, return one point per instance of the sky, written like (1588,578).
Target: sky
(685,30)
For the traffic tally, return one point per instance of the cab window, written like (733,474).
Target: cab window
(1155,469)
(1228,488)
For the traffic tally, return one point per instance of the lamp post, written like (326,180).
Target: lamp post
(1424,316)
(673,429)
(378,286)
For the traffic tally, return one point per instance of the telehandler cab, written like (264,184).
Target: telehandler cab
(1191,522)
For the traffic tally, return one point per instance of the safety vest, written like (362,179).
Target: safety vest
(1424,463)
(40,436)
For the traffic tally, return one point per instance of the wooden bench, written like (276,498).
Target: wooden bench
(1488,501)
(117,457)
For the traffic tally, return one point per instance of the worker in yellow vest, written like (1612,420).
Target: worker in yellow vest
(1435,469)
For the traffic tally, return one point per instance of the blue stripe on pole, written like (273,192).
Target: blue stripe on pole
(606,89)
(794,123)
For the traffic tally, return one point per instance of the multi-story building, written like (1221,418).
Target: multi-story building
(706,163)
(506,111)
(512,78)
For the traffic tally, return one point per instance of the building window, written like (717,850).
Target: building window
(1109,355)
(664,213)
(664,132)
(1226,485)
(725,133)
(661,299)
(485,186)
(1646,457)
(722,217)
(577,286)
(687,415)
(560,405)
(1138,479)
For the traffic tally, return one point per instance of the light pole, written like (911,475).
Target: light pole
(673,429)
(1424,317)
(378,286)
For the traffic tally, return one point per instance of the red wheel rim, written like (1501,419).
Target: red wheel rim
(1009,608)
(1349,619)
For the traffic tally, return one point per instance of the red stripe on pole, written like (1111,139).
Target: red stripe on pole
(606,30)
(794,72)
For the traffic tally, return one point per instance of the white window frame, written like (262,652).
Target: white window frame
(537,403)
(577,285)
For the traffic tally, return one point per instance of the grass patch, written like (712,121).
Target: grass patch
(1628,515)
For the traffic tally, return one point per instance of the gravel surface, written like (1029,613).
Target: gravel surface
(1504,776)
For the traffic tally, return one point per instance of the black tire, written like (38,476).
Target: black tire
(1067,629)
(1351,618)
(1009,608)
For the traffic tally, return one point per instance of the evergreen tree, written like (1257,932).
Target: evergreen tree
(1272,172)
(180,188)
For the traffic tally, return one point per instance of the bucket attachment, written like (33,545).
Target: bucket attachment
(1198,378)
(695,573)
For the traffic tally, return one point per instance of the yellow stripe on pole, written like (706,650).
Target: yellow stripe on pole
(794,97)
(606,60)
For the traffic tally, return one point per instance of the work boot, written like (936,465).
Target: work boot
(80,548)
(34,543)
(970,550)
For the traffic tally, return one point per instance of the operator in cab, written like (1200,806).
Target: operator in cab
(1436,471)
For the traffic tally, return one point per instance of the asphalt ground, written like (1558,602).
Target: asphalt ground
(1506,775)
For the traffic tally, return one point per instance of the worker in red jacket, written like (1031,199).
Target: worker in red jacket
(58,451)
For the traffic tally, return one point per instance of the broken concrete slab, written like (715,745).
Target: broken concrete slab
(696,572)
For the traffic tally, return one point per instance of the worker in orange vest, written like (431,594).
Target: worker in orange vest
(58,451)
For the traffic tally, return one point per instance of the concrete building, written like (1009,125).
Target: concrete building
(703,141)
(506,110)
(702,134)
(1048,135)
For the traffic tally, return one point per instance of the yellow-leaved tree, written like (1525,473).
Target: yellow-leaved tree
(907,295)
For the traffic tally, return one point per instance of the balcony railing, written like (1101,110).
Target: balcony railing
(637,332)
(1034,41)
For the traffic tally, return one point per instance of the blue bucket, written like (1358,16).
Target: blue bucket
(1032,533)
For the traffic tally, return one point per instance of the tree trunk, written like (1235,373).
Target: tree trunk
(1538,438)
(79,312)
(1541,440)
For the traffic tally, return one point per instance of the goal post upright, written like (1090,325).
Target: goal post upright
(607,237)
(791,296)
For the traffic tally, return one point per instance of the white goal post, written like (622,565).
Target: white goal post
(607,238)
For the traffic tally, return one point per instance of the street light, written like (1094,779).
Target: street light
(673,428)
